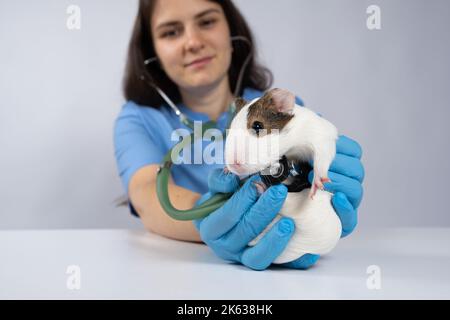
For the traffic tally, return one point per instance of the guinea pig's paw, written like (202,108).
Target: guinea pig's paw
(312,191)
(317,184)
(325,180)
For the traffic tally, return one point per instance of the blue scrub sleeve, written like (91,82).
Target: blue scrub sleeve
(135,143)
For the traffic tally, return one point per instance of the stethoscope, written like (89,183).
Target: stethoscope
(162,178)
(285,168)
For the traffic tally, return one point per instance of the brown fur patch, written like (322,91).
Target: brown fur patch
(264,111)
(240,103)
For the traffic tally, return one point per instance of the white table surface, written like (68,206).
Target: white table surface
(134,264)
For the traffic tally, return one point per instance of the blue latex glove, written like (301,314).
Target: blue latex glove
(229,229)
(346,174)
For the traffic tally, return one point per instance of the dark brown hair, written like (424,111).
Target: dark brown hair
(141,48)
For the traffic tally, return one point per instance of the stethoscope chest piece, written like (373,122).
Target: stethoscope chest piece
(282,170)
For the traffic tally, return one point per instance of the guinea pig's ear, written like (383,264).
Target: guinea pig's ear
(283,100)
(239,103)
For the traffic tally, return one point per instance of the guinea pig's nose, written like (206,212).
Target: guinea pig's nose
(233,161)
(235,166)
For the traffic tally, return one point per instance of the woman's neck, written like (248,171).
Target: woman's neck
(212,100)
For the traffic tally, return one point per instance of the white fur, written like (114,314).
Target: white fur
(317,226)
(306,137)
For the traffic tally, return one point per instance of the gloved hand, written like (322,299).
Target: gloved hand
(229,229)
(346,174)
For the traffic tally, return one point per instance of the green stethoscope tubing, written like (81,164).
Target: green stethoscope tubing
(162,181)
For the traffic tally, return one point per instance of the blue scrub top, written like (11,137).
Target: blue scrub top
(142,136)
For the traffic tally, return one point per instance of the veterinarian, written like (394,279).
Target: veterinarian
(193,51)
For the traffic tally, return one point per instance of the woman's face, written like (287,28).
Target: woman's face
(185,31)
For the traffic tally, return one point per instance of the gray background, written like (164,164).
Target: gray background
(60,92)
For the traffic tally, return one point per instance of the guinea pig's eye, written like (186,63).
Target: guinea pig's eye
(257,126)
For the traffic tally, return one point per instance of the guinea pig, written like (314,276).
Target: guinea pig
(269,127)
